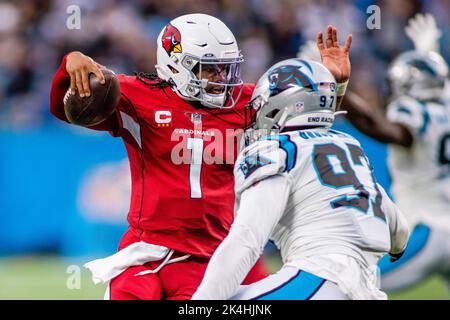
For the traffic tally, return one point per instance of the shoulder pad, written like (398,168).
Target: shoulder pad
(258,161)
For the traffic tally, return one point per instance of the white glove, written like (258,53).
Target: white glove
(424,32)
(309,51)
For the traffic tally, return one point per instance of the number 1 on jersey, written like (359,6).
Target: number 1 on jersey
(195,167)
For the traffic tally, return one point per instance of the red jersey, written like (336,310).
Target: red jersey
(181,160)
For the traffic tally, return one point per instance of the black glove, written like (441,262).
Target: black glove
(396,256)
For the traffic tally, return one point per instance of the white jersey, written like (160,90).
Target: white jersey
(335,203)
(314,194)
(335,207)
(421,174)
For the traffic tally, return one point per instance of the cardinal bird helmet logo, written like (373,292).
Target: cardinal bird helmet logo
(171,40)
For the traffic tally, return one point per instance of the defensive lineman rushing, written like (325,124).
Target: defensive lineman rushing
(312,191)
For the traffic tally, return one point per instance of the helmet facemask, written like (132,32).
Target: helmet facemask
(214,94)
(253,130)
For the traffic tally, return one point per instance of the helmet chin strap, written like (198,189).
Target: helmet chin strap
(283,118)
(204,83)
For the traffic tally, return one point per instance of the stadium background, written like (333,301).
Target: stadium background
(64,190)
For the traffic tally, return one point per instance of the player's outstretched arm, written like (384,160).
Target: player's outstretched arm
(423,31)
(74,73)
(336,59)
(261,207)
(370,121)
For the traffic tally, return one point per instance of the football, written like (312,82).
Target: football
(92,110)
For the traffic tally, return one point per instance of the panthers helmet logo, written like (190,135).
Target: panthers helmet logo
(171,40)
(423,66)
(285,77)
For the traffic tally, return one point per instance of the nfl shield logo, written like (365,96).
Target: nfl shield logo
(299,106)
(196,118)
(333,87)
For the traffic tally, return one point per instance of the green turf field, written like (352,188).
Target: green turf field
(47,277)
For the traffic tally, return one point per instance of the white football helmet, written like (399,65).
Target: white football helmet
(294,93)
(191,44)
(421,75)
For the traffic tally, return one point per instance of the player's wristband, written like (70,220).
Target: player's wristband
(341,88)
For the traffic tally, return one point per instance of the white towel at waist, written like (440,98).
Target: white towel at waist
(135,254)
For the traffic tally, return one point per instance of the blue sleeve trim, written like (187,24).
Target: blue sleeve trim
(426,120)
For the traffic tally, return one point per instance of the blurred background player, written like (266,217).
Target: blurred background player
(312,191)
(180,211)
(417,128)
